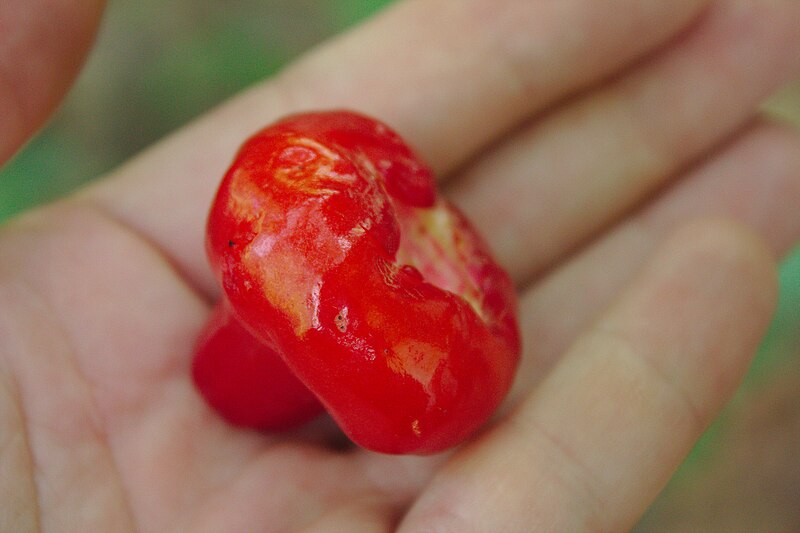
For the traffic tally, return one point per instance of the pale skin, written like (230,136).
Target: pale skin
(643,208)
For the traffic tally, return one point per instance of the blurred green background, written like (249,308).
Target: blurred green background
(158,64)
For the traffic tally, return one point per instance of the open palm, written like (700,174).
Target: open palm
(577,136)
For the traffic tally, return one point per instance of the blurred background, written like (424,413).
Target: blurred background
(155,66)
(158,64)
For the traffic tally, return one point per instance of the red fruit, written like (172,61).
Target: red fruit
(332,247)
(246,381)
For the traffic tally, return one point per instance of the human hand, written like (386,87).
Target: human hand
(594,135)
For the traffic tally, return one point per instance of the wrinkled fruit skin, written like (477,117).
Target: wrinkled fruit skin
(334,251)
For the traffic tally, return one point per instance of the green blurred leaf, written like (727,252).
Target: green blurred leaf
(347,12)
(33,175)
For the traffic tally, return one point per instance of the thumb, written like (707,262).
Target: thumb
(42,46)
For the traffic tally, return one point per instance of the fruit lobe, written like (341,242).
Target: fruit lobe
(245,380)
(332,246)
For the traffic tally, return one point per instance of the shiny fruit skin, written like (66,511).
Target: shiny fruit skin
(246,381)
(332,246)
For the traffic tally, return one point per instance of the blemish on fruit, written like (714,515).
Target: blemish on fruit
(341,320)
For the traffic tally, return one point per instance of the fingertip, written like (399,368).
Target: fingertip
(712,283)
(727,250)
(43,44)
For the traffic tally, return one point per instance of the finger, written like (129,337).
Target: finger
(449,75)
(754,180)
(589,162)
(471,70)
(368,514)
(42,46)
(749,479)
(591,448)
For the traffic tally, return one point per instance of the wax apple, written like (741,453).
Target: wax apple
(333,249)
